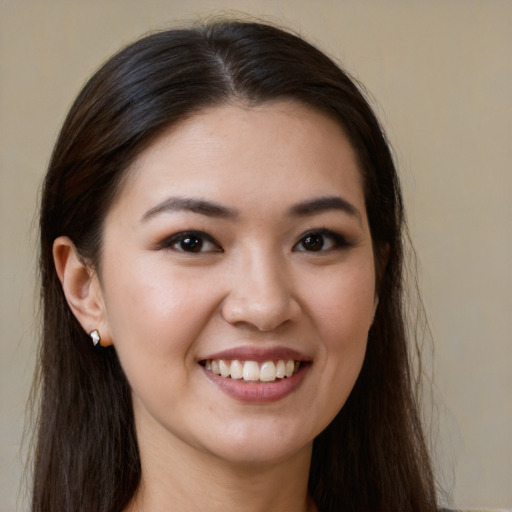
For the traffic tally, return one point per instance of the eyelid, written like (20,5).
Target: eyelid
(340,241)
(170,241)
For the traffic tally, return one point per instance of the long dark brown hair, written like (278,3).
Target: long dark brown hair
(372,457)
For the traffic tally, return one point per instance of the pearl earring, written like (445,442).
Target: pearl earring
(95,336)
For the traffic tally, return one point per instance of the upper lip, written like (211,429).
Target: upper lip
(259,354)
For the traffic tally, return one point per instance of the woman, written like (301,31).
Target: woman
(221,266)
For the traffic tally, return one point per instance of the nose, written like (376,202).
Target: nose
(261,294)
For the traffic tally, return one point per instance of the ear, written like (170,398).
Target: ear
(81,288)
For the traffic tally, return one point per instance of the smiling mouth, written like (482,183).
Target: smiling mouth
(253,371)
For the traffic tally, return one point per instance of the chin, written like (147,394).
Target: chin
(258,456)
(260,445)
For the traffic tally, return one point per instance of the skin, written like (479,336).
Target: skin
(254,283)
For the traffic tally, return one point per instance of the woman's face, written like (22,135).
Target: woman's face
(240,243)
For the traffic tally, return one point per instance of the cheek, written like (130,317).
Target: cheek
(343,313)
(155,319)
(152,311)
(344,304)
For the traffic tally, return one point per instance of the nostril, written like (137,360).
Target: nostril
(264,317)
(260,294)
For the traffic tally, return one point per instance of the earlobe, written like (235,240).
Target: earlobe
(81,288)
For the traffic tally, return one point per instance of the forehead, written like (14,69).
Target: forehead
(274,152)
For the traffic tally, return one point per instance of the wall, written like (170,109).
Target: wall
(440,74)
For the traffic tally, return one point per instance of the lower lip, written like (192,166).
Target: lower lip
(258,392)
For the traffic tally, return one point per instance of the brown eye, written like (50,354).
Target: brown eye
(313,242)
(321,241)
(191,242)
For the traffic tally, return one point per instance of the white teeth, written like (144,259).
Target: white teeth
(252,371)
(290,367)
(281,369)
(237,369)
(215,367)
(224,368)
(268,371)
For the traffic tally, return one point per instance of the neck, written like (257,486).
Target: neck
(177,477)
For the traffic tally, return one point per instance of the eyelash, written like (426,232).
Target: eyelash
(198,239)
(337,241)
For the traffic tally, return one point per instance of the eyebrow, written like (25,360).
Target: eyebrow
(323,204)
(212,209)
(201,206)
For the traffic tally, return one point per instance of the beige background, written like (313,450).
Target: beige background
(440,73)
